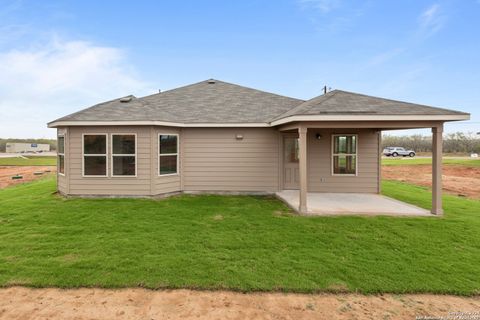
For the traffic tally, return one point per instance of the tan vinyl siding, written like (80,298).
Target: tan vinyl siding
(214,160)
(320,178)
(169,183)
(139,185)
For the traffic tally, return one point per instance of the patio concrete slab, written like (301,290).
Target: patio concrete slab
(351,204)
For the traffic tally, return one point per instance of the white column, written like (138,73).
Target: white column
(302,135)
(437,142)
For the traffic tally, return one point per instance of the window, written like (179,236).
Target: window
(344,154)
(95,155)
(168,154)
(291,150)
(124,155)
(61,154)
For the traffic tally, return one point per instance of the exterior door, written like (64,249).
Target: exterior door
(290,163)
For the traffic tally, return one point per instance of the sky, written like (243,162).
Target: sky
(57,57)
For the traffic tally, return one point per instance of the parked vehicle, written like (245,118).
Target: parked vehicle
(398,151)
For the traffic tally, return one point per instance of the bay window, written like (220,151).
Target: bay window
(344,154)
(168,154)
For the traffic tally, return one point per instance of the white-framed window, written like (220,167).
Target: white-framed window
(94,155)
(61,154)
(344,154)
(168,160)
(124,155)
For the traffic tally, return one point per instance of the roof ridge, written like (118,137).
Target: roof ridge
(173,89)
(332,93)
(221,81)
(258,90)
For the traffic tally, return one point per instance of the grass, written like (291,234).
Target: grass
(29,161)
(241,243)
(416,161)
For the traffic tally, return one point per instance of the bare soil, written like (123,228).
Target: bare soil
(457,180)
(26,303)
(7,172)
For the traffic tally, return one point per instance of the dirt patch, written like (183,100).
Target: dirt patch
(458,180)
(28,173)
(24,303)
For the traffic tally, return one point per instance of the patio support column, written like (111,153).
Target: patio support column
(302,144)
(437,142)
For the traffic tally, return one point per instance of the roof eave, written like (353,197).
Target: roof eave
(363,117)
(296,118)
(67,123)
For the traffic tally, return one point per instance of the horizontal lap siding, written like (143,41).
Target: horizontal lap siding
(320,163)
(139,185)
(214,160)
(62,184)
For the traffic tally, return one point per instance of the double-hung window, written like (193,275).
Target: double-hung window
(124,155)
(61,154)
(168,154)
(344,154)
(94,155)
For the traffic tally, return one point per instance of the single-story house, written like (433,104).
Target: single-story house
(214,136)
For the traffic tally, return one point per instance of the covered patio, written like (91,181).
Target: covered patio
(357,204)
(314,202)
(334,165)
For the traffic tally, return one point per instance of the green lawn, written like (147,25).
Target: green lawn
(234,242)
(448,161)
(29,161)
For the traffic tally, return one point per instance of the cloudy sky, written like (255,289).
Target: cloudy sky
(57,57)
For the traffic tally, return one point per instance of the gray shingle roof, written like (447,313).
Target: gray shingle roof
(343,102)
(202,102)
(214,101)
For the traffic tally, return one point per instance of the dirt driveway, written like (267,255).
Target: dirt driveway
(24,303)
(457,180)
(6,173)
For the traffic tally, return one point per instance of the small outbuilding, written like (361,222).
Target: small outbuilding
(20,147)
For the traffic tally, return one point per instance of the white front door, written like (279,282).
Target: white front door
(290,163)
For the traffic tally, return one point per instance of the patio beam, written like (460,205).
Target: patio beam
(437,142)
(289,126)
(302,143)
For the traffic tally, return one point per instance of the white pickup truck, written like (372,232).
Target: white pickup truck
(398,151)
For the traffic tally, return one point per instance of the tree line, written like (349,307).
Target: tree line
(51,142)
(458,142)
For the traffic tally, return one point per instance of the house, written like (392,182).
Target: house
(214,136)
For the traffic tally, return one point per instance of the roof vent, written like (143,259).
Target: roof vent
(211,81)
(126,99)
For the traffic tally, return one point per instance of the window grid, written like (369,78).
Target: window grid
(123,154)
(61,155)
(160,155)
(94,155)
(353,155)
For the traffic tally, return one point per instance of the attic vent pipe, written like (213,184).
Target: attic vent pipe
(211,81)
(126,99)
